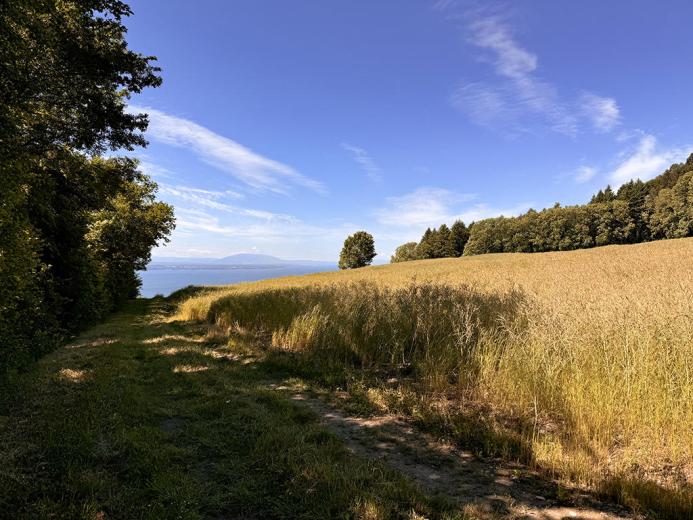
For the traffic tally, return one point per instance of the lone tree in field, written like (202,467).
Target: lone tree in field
(358,251)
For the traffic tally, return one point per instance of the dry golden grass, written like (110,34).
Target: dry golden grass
(598,359)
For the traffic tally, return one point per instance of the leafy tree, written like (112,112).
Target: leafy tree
(606,195)
(427,246)
(123,233)
(634,193)
(65,76)
(672,210)
(67,73)
(405,253)
(444,243)
(358,251)
(459,235)
(670,177)
(638,211)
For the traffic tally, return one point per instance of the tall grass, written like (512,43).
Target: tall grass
(589,352)
(432,330)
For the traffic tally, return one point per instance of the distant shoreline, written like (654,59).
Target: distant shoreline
(154,266)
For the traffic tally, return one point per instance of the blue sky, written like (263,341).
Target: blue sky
(283,126)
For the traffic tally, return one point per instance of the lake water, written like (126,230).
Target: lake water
(165,280)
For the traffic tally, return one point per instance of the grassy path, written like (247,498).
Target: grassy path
(140,418)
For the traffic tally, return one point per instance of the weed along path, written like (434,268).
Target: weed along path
(148,419)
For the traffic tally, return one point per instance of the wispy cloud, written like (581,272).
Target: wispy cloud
(521,92)
(365,161)
(646,161)
(214,200)
(486,105)
(603,112)
(481,211)
(423,207)
(226,154)
(271,229)
(154,170)
(518,100)
(428,206)
(584,174)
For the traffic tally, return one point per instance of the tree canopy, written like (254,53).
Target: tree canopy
(405,253)
(358,251)
(443,242)
(74,227)
(637,212)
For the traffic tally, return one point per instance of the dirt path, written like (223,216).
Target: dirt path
(493,486)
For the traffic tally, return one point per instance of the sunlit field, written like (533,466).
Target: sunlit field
(578,362)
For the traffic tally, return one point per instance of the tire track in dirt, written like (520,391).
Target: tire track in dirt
(491,485)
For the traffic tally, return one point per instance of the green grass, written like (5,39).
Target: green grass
(142,419)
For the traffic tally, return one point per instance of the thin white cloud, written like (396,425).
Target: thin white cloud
(646,161)
(154,170)
(511,60)
(483,211)
(221,152)
(584,174)
(423,207)
(272,229)
(486,105)
(522,89)
(365,161)
(214,194)
(426,207)
(213,200)
(603,112)
(518,100)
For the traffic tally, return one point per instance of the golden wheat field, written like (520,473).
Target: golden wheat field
(587,356)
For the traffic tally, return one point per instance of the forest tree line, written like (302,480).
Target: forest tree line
(76,221)
(637,212)
(443,242)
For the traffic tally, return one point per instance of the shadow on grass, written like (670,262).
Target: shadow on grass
(140,418)
(164,424)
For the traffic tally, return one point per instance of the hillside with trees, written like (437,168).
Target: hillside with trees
(637,212)
(76,222)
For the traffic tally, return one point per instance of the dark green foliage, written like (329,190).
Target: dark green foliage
(670,177)
(671,211)
(358,251)
(65,76)
(405,253)
(443,242)
(459,234)
(639,211)
(123,233)
(606,195)
(426,247)
(437,243)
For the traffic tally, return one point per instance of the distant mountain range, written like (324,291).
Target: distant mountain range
(245,259)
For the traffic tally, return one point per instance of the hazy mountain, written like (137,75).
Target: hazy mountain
(237,259)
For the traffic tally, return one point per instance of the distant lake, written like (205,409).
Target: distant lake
(163,279)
